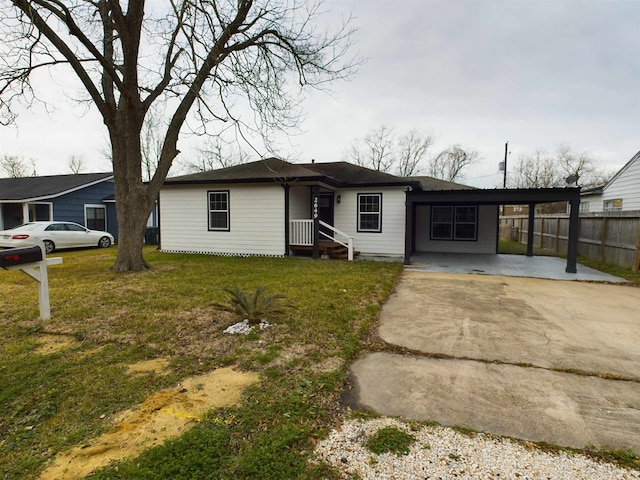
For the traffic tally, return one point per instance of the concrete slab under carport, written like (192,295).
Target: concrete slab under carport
(552,268)
(534,359)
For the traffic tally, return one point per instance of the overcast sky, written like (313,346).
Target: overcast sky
(476,73)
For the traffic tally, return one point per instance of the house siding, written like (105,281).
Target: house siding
(70,207)
(626,186)
(487,228)
(256,220)
(388,242)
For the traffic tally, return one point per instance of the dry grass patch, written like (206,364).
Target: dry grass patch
(165,414)
(50,344)
(155,365)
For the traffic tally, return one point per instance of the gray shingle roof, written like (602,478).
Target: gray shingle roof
(340,174)
(273,169)
(41,188)
(435,184)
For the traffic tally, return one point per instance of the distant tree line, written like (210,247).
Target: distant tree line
(408,154)
(560,168)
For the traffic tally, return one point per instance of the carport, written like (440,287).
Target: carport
(525,196)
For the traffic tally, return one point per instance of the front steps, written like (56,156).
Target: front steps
(327,248)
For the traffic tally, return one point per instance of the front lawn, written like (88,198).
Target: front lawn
(65,380)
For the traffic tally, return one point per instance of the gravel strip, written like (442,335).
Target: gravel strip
(443,453)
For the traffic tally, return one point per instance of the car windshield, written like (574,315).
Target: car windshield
(27,227)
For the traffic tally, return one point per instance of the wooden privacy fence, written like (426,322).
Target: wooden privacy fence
(606,238)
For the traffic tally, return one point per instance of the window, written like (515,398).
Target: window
(454,223)
(95,217)
(370,212)
(441,223)
(612,205)
(219,210)
(584,207)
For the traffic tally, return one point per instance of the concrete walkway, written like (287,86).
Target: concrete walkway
(507,345)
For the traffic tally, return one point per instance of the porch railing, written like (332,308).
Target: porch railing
(301,232)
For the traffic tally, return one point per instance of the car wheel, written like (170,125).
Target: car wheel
(105,242)
(49,247)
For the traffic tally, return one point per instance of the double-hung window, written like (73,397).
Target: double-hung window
(454,222)
(95,217)
(370,212)
(219,210)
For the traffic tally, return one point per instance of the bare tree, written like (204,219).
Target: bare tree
(217,153)
(375,150)
(412,149)
(450,163)
(582,166)
(151,140)
(381,149)
(202,61)
(17,167)
(544,170)
(76,164)
(534,171)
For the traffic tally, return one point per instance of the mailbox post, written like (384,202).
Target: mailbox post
(33,262)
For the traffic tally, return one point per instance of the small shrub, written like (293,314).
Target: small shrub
(255,307)
(392,440)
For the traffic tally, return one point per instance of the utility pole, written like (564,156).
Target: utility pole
(506,154)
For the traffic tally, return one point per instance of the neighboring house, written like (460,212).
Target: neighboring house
(85,198)
(272,207)
(620,194)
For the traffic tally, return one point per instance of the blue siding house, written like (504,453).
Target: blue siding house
(85,198)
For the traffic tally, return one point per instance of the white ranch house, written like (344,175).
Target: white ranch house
(276,208)
(269,208)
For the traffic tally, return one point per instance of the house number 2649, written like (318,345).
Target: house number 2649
(315,207)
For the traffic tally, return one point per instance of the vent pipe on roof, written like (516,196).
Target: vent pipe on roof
(313,160)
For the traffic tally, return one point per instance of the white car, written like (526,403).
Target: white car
(55,236)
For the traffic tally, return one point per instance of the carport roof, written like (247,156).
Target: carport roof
(504,196)
(497,196)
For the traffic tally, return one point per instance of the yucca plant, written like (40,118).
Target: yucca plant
(257,306)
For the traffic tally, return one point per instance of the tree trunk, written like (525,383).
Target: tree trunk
(134,201)
(132,213)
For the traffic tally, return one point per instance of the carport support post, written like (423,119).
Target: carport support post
(531,229)
(408,231)
(572,247)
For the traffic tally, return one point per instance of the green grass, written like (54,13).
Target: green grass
(52,402)
(390,440)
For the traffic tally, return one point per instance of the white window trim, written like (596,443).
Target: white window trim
(609,205)
(95,205)
(227,211)
(453,223)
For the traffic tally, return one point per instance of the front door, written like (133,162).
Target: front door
(325,213)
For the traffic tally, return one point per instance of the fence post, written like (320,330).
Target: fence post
(636,264)
(557,234)
(603,239)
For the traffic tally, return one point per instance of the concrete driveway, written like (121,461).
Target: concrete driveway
(539,360)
